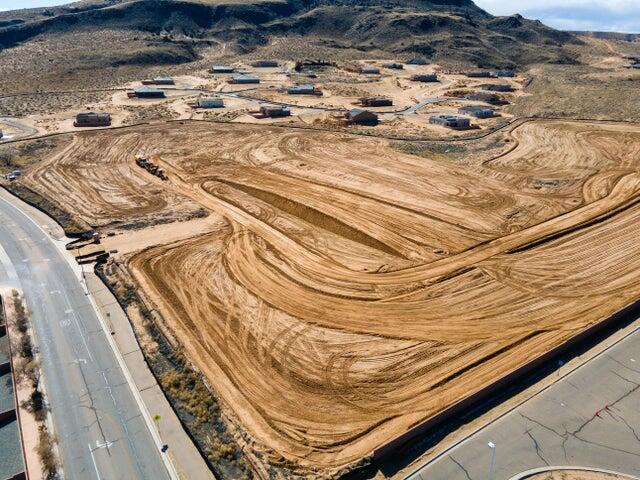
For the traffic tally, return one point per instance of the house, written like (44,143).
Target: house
(478,74)
(497,87)
(159,81)
(376,102)
(147,92)
(243,79)
(477,111)
(274,111)
(222,69)
(505,73)
(361,117)
(303,90)
(487,97)
(450,121)
(368,70)
(264,63)
(427,77)
(92,119)
(417,61)
(393,66)
(210,102)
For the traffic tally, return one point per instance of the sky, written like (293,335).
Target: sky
(600,15)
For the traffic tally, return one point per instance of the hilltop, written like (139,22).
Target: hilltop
(110,41)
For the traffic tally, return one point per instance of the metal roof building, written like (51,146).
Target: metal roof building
(244,79)
(222,69)
(302,90)
(505,73)
(92,119)
(204,102)
(450,121)
(417,61)
(275,111)
(487,97)
(478,74)
(394,66)
(376,102)
(159,81)
(497,87)
(148,92)
(477,111)
(369,70)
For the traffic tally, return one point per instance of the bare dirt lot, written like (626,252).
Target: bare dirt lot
(344,291)
(576,475)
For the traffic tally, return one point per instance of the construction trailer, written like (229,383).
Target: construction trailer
(369,70)
(487,97)
(146,92)
(394,66)
(425,78)
(478,74)
(159,81)
(222,69)
(358,116)
(210,102)
(273,111)
(304,90)
(376,102)
(451,121)
(417,61)
(244,79)
(92,119)
(497,87)
(477,111)
(505,73)
(264,63)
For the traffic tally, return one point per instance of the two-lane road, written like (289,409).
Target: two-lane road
(101,431)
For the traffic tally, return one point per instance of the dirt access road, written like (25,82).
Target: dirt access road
(347,291)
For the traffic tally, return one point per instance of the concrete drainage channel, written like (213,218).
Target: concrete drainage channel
(538,471)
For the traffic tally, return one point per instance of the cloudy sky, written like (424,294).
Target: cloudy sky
(605,15)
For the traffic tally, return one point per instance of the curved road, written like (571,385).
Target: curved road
(101,431)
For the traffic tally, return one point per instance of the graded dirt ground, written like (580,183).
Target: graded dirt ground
(576,475)
(347,291)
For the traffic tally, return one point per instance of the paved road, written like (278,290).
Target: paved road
(589,418)
(101,432)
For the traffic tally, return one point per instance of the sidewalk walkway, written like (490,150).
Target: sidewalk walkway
(185,456)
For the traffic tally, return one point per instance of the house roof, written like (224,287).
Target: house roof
(147,89)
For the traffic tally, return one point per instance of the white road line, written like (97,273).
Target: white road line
(94,461)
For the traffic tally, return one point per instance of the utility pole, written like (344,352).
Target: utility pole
(492,465)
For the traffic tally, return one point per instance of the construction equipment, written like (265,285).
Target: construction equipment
(151,167)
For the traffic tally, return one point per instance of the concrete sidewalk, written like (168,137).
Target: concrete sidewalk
(185,456)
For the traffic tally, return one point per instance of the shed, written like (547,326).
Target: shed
(369,70)
(302,90)
(210,102)
(244,79)
(148,92)
(159,81)
(92,119)
(264,63)
(417,61)
(361,117)
(394,66)
(478,74)
(376,102)
(450,121)
(222,69)
(477,111)
(426,78)
(497,87)
(275,111)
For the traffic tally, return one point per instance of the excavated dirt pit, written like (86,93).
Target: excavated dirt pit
(346,291)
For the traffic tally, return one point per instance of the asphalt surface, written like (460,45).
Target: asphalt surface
(589,418)
(100,429)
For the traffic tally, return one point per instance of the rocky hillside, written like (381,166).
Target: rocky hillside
(106,39)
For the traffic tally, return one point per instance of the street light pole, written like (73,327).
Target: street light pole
(492,465)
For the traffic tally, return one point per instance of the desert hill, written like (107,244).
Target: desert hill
(99,40)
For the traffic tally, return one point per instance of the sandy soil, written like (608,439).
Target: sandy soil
(343,291)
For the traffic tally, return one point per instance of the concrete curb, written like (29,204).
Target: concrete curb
(536,471)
